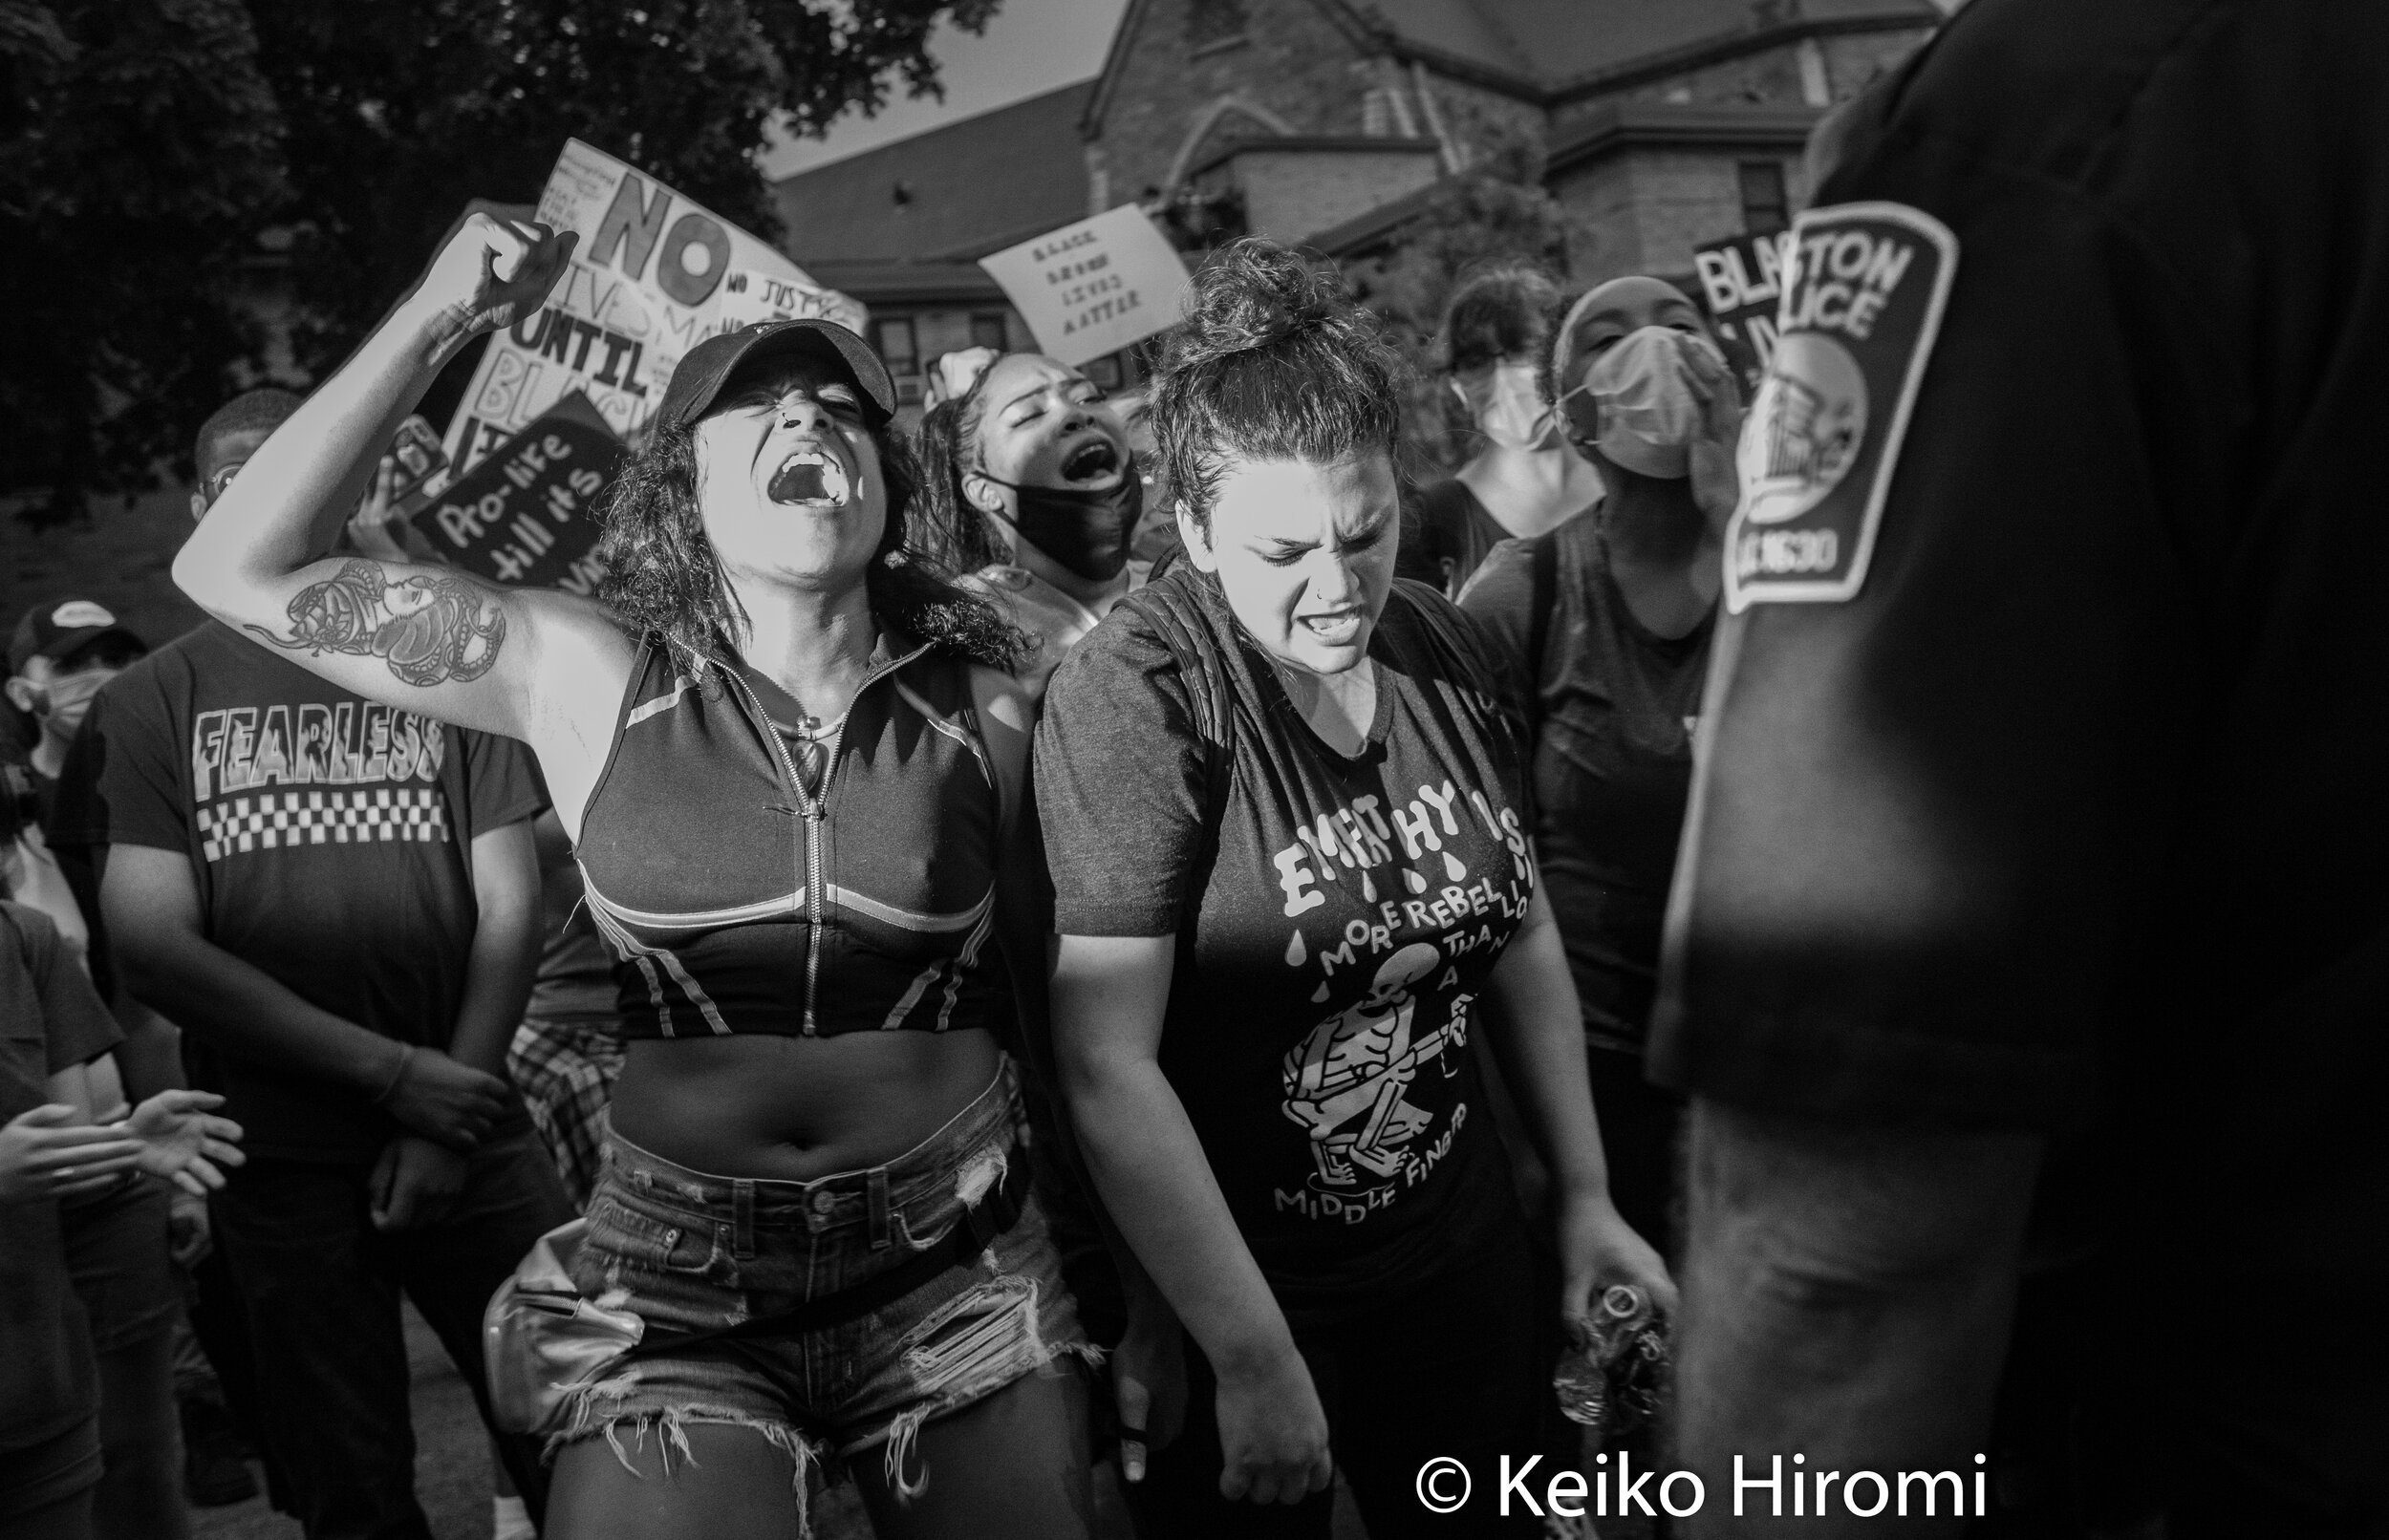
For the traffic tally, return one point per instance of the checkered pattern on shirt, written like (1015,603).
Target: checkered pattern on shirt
(271,820)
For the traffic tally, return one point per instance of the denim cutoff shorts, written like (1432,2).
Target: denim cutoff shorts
(688,1252)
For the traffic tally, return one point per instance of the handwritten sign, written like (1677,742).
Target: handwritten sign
(525,516)
(654,275)
(1741,282)
(1091,288)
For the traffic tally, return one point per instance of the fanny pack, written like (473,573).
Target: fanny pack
(542,1339)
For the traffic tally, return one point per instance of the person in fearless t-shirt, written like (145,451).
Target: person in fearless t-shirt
(1282,815)
(339,900)
(2038,827)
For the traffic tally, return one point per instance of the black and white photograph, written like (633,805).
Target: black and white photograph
(1193,769)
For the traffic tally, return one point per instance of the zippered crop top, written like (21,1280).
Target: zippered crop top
(747,897)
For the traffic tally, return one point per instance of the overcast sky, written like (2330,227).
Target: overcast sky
(1030,46)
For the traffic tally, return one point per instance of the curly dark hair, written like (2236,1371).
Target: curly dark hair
(1507,311)
(663,581)
(945,446)
(1275,361)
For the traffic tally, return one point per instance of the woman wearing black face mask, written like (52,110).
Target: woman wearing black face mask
(1031,479)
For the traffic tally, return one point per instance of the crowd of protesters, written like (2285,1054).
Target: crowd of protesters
(1145,931)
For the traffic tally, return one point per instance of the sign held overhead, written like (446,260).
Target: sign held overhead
(526,515)
(1093,287)
(654,275)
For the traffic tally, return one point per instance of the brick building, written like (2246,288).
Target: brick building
(1661,124)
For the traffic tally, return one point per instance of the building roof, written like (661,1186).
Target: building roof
(1550,51)
(1555,44)
(1611,127)
(910,282)
(952,194)
(1559,46)
(1614,125)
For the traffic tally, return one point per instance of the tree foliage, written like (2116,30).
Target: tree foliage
(146,145)
(138,156)
(1495,211)
(398,113)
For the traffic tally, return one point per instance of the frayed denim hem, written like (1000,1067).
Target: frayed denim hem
(669,1428)
(962,1366)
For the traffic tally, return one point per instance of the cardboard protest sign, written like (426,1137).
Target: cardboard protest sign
(1863,287)
(525,516)
(1741,282)
(416,459)
(1091,289)
(654,275)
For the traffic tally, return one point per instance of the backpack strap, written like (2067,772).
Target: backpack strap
(1168,607)
(1543,557)
(1454,635)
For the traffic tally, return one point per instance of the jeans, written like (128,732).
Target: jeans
(1445,1367)
(322,1288)
(691,1252)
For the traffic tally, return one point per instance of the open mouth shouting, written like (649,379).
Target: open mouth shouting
(1334,628)
(1097,461)
(810,478)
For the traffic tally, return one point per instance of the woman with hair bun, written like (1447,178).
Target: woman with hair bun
(792,762)
(1525,478)
(1284,817)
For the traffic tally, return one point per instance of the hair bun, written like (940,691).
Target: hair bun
(1258,294)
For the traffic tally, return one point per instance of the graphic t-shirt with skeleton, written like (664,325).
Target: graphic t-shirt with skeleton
(1336,919)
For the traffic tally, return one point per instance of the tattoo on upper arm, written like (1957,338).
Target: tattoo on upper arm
(434,627)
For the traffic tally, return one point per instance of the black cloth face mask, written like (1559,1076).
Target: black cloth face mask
(1087,532)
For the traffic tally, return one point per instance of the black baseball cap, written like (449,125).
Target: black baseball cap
(704,368)
(59,627)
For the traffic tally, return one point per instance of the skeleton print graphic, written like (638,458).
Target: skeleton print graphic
(1345,1083)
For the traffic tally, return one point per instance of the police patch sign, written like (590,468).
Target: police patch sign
(1863,288)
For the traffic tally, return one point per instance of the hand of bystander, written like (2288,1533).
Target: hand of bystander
(414,1182)
(50,1152)
(444,1101)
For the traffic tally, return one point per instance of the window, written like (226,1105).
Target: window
(987,331)
(892,338)
(1765,208)
(1214,21)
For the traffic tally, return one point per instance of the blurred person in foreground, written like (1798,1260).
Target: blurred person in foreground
(73,1464)
(63,652)
(339,901)
(121,1244)
(2037,831)
(1526,478)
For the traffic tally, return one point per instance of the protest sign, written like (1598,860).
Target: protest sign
(416,457)
(1091,289)
(1741,281)
(654,275)
(525,516)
